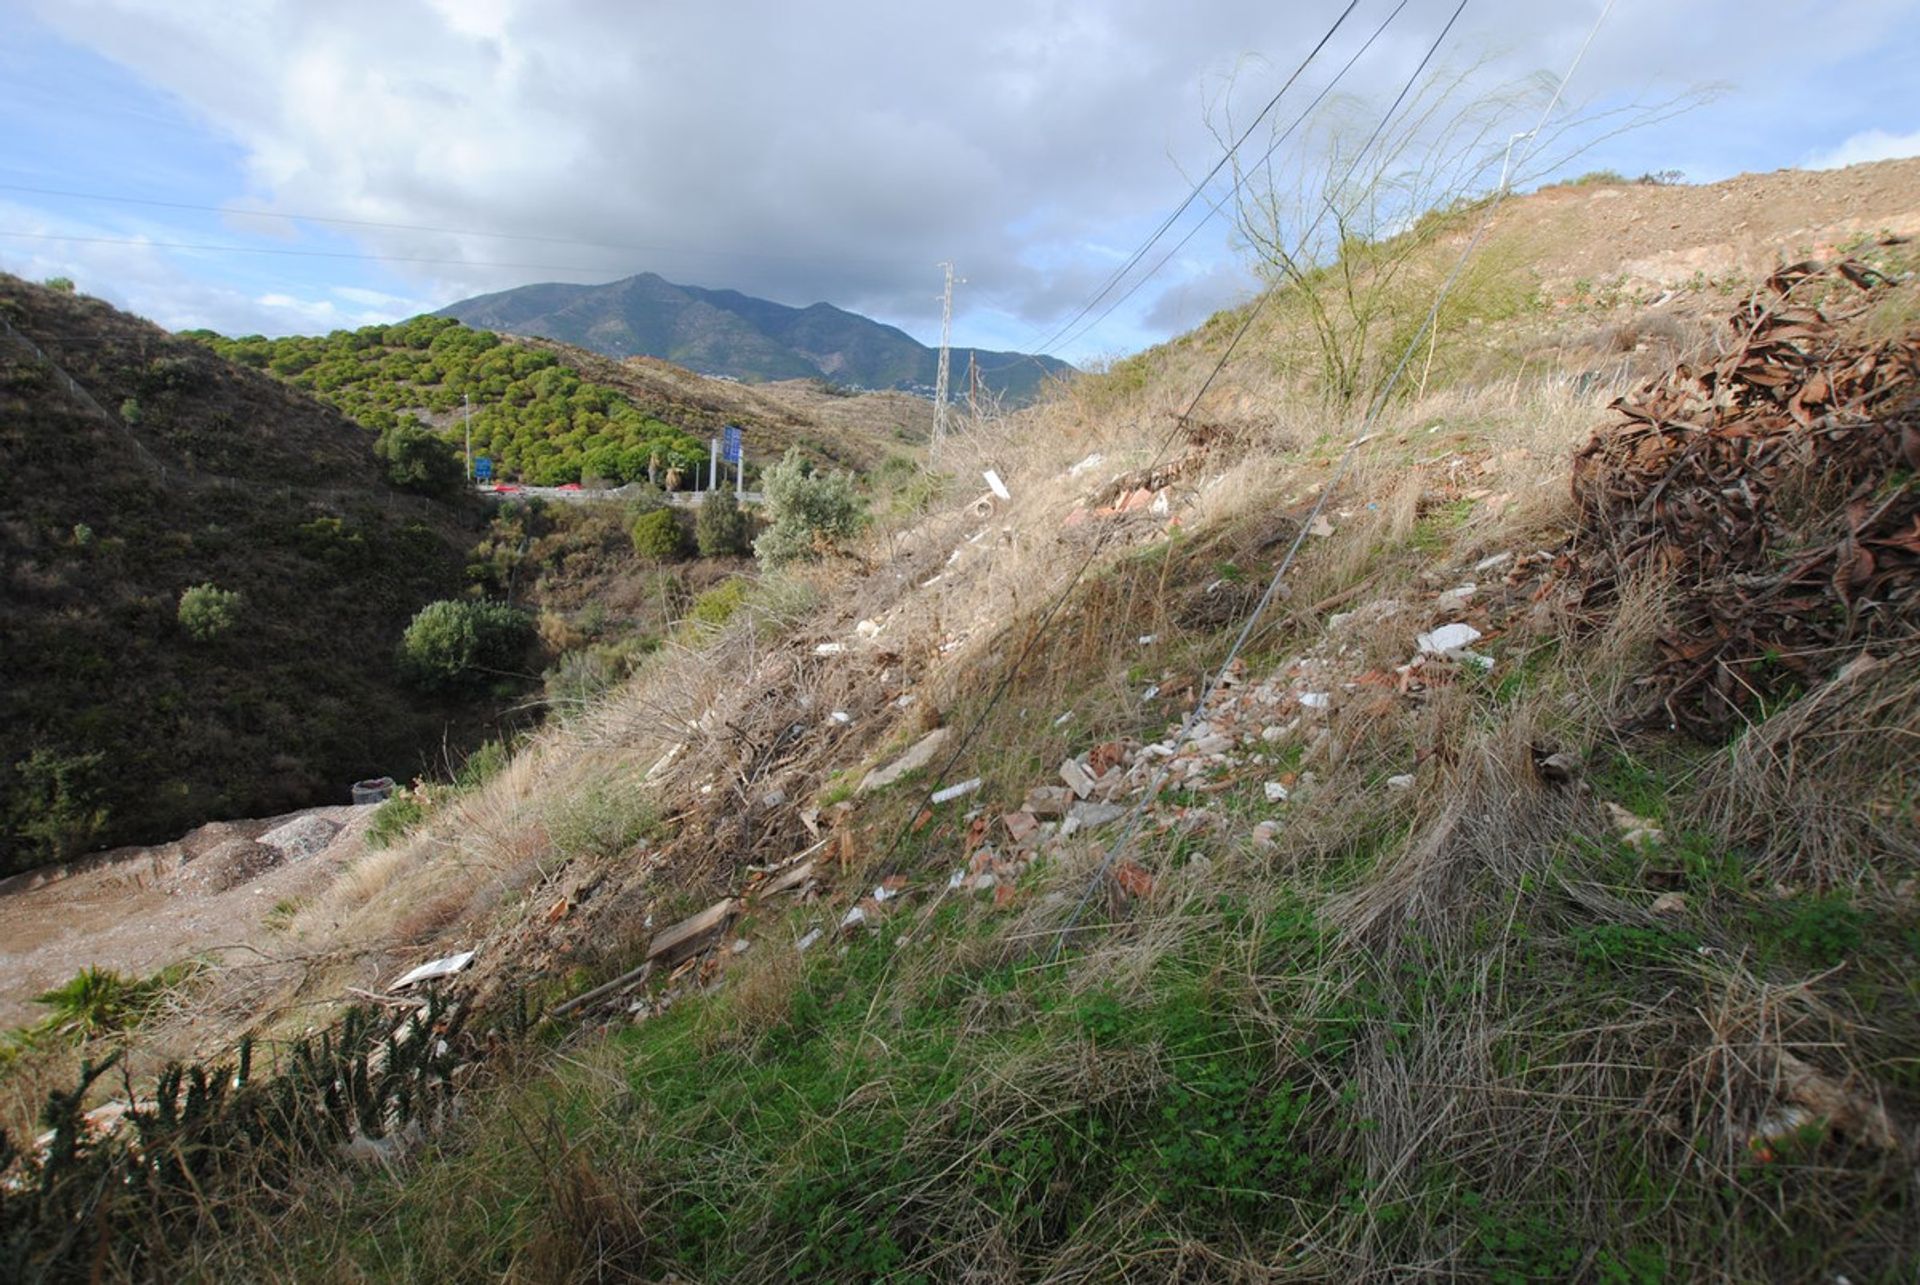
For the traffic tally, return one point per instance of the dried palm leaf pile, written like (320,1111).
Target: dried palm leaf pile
(1775,489)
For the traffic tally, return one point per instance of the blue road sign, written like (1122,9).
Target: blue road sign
(483,469)
(730,444)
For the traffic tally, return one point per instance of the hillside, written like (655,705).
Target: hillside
(547,413)
(161,468)
(724,332)
(1274,843)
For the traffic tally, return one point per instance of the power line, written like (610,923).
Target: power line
(1374,410)
(1201,186)
(1180,423)
(1240,179)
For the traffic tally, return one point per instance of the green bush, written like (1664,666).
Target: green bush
(721,528)
(657,535)
(206,611)
(716,606)
(55,810)
(393,819)
(418,461)
(454,641)
(63,285)
(808,513)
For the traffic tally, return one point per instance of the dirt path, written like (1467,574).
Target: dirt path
(139,909)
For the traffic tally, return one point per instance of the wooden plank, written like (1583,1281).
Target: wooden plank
(689,934)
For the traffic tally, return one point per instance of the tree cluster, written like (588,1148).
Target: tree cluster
(535,417)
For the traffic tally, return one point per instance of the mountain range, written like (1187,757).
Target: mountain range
(726,333)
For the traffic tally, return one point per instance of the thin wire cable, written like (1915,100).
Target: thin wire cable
(1201,186)
(1374,411)
(1166,443)
(1238,182)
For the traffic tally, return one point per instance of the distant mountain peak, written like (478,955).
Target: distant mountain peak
(727,333)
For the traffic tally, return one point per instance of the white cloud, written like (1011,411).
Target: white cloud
(833,151)
(1867,145)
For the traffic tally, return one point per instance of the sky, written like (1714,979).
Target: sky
(291,166)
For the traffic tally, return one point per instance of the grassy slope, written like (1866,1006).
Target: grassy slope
(1440,1029)
(251,488)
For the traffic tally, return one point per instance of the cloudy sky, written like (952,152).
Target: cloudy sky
(294,166)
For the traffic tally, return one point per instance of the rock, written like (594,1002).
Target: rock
(1314,700)
(1021,826)
(1049,800)
(301,837)
(1078,779)
(1556,767)
(773,798)
(856,917)
(1669,903)
(1092,815)
(1214,744)
(829,649)
(812,936)
(226,865)
(1263,834)
(1162,503)
(1447,638)
(1488,564)
(918,757)
(1454,600)
(1320,527)
(1092,461)
(1635,831)
(1401,782)
(1275,734)
(867,628)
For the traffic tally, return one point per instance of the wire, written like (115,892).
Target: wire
(1374,411)
(1166,443)
(1238,182)
(1201,186)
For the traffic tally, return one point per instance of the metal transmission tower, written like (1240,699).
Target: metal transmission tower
(940,381)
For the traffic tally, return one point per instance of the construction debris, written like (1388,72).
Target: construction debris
(914,759)
(445,966)
(952,792)
(1774,487)
(689,935)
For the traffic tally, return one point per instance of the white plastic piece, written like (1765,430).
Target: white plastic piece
(1448,638)
(995,485)
(953,792)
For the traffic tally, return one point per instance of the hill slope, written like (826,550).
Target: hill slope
(171,468)
(547,413)
(724,332)
(1437,950)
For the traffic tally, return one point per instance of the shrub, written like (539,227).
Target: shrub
(62,284)
(716,606)
(721,528)
(418,461)
(206,611)
(452,641)
(657,535)
(808,513)
(394,818)
(55,810)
